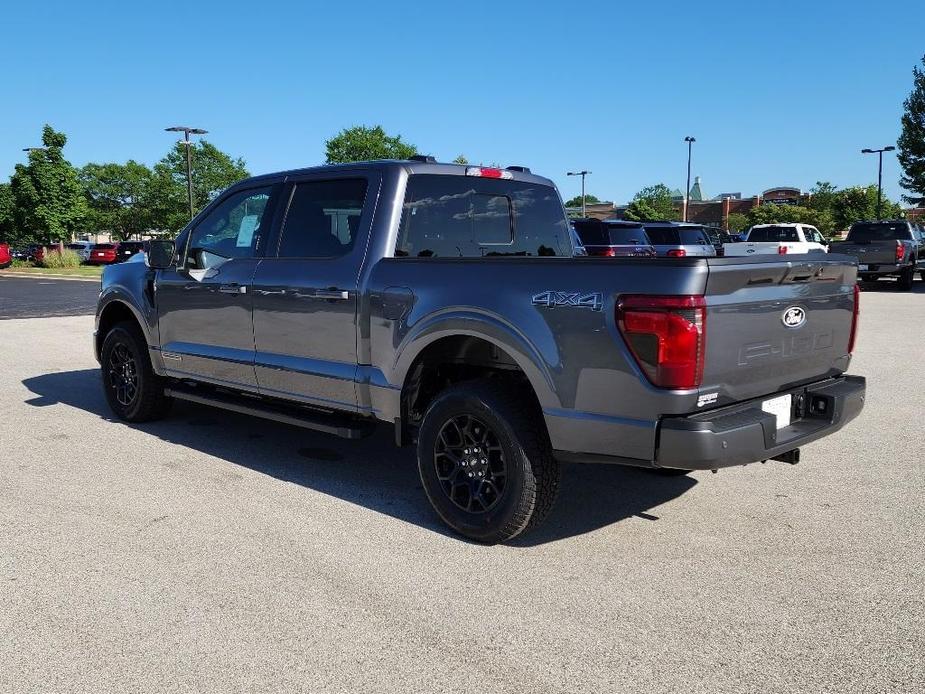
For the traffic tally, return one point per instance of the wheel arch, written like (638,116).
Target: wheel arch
(464,347)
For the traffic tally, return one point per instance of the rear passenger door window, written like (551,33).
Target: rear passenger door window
(323,218)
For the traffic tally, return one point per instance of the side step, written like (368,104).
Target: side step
(345,427)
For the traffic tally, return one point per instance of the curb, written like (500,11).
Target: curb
(39,276)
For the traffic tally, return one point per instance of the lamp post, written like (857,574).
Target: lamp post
(189,161)
(582,174)
(687,193)
(879,152)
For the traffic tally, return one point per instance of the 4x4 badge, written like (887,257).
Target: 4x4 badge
(551,299)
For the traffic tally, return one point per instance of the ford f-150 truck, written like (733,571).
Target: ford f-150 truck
(445,301)
(886,249)
(779,239)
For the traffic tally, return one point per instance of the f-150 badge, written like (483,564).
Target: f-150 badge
(551,299)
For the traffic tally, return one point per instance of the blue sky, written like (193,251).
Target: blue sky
(783,93)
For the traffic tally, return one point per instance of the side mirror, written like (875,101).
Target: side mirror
(160,254)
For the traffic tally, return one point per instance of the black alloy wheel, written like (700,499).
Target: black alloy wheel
(469,462)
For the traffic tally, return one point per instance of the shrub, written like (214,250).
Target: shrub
(55,258)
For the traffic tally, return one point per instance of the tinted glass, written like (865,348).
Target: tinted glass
(664,236)
(694,236)
(323,218)
(466,217)
(104,246)
(596,233)
(229,231)
(872,231)
(773,234)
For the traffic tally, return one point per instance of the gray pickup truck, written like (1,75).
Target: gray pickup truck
(445,301)
(885,249)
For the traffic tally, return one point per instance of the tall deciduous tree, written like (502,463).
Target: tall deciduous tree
(49,204)
(6,214)
(165,197)
(651,204)
(116,194)
(576,201)
(362,143)
(911,141)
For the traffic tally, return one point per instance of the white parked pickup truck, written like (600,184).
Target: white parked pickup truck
(779,239)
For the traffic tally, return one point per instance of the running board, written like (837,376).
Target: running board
(343,426)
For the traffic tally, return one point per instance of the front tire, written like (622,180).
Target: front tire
(485,461)
(134,392)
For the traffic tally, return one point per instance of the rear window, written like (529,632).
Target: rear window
(597,233)
(449,216)
(773,234)
(104,246)
(872,231)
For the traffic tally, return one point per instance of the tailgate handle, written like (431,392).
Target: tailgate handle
(803,272)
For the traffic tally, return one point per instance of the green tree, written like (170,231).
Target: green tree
(911,140)
(461,159)
(860,202)
(164,198)
(737,222)
(7,227)
(576,201)
(116,195)
(652,204)
(362,143)
(48,201)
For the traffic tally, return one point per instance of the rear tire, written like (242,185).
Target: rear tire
(134,392)
(906,278)
(485,461)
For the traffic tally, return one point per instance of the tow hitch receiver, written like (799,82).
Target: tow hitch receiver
(790,457)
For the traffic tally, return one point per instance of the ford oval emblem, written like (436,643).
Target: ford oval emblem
(793,317)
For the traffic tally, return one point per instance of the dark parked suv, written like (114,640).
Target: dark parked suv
(613,238)
(444,301)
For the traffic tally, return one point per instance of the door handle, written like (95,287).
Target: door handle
(233,289)
(334,294)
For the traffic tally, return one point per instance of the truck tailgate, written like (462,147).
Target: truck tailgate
(869,252)
(775,324)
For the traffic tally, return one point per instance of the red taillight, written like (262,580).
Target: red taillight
(488,172)
(677,253)
(781,250)
(900,251)
(667,336)
(854,319)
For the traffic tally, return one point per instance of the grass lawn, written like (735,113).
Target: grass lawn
(82,271)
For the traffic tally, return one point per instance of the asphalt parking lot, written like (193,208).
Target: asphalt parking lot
(212,552)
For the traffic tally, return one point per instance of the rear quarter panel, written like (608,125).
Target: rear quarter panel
(573,356)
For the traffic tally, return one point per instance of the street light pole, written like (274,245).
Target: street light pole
(879,152)
(189,158)
(687,193)
(582,174)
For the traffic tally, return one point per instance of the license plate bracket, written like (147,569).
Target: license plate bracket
(862,268)
(781,408)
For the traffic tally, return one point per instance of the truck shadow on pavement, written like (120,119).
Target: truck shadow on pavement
(372,472)
(889,285)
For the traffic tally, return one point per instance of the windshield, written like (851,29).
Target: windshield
(873,231)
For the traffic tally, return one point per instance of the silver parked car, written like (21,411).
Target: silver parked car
(679,239)
(82,248)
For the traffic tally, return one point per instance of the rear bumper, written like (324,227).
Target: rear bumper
(880,269)
(744,433)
